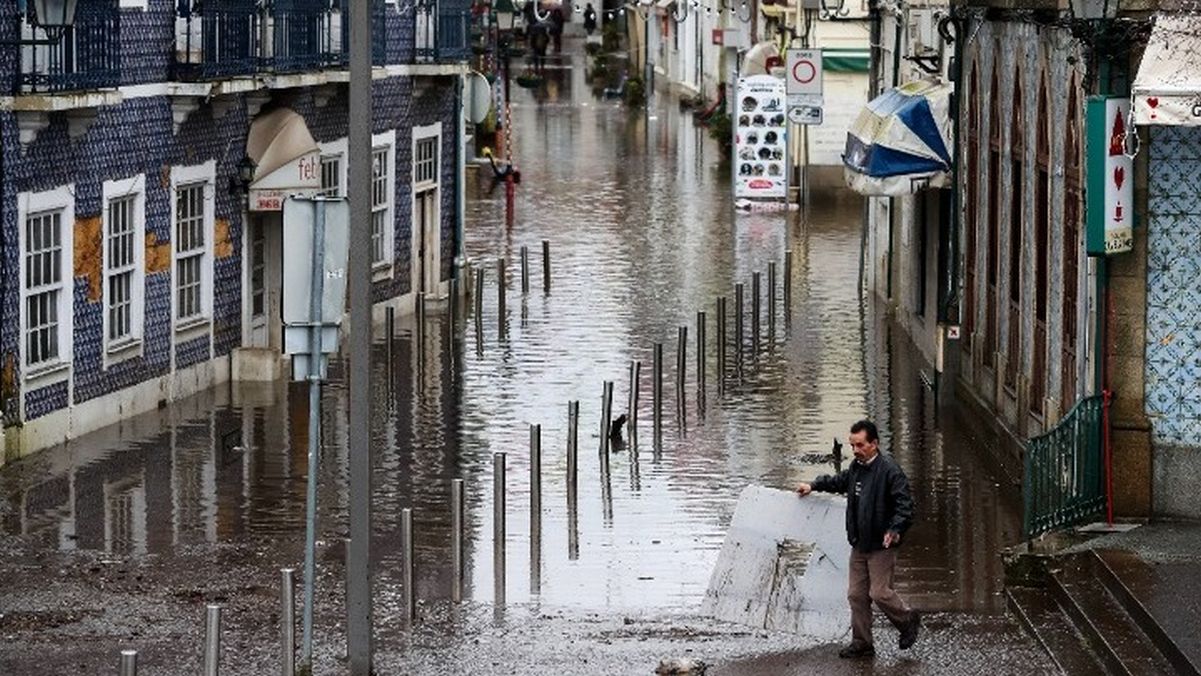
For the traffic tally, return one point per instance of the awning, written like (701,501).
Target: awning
(287,159)
(1167,89)
(846,60)
(901,141)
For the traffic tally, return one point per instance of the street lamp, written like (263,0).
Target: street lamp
(506,14)
(54,13)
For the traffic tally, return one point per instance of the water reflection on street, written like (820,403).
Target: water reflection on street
(636,209)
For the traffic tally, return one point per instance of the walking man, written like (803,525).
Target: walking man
(879,511)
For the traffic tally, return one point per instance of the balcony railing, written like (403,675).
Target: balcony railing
(82,57)
(225,38)
(215,40)
(441,37)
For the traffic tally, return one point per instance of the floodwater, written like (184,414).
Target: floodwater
(637,211)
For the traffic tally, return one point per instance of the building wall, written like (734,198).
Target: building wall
(1173,336)
(1031,53)
(138,136)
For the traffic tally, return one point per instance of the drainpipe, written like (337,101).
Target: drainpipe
(951,289)
(461,168)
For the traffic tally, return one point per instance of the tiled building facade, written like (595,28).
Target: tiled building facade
(129,269)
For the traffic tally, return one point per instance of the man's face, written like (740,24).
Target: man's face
(864,450)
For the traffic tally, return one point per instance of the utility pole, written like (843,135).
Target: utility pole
(358,570)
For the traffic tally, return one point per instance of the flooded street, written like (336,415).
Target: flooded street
(637,211)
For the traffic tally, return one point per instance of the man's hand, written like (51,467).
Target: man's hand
(891,538)
(804,489)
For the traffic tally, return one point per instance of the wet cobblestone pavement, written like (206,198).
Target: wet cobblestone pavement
(120,538)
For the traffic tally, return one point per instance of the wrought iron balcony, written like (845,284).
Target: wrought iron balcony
(441,37)
(77,58)
(216,40)
(225,38)
(307,36)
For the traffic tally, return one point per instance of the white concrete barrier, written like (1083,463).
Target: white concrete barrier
(783,565)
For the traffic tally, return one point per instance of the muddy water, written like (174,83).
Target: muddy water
(637,212)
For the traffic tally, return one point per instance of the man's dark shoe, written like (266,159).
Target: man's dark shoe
(857,651)
(909,635)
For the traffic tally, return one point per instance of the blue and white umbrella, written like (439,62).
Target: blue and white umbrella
(901,142)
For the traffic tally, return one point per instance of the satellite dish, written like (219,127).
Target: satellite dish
(760,58)
(477,98)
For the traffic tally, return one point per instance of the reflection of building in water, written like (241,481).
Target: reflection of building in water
(193,483)
(125,515)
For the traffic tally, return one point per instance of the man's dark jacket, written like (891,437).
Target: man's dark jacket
(878,500)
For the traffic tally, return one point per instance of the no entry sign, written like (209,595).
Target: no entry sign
(804,72)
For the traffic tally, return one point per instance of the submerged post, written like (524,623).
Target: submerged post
(771,302)
(525,269)
(700,353)
(287,622)
(606,420)
(738,314)
(573,448)
(788,286)
(657,391)
(498,528)
(755,312)
(632,403)
(500,299)
(406,546)
(545,266)
(212,640)
(456,540)
(721,343)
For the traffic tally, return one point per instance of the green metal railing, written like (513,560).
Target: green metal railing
(1064,480)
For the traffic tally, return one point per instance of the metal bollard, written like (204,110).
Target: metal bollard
(756,293)
(287,621)
(573,464)
(535,509)
(771,302)
(657,391)
(406,549)
(700,354)
(456,540)
(738,307)
(573,450)
(721,343)
(500,299)
(419,330)
(788,286)
(129,663)
(632,404)
(390,329)
(212,640)
(498,528)
(478,301)
(535,476)
(606,421)
(681,361)
(525,270)
(545,266)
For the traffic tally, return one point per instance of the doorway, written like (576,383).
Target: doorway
(262,300)
(429,241)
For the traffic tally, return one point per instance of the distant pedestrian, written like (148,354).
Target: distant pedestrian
(879,511)
(589,20)
(557,19)
(539,41)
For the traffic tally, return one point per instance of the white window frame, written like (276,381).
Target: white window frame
(181,177)
(60,199)
(131,346)
(338,149)
(133,4)
(383,269)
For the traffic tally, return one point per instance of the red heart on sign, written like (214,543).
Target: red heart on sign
(1119,176)
(1153,102)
